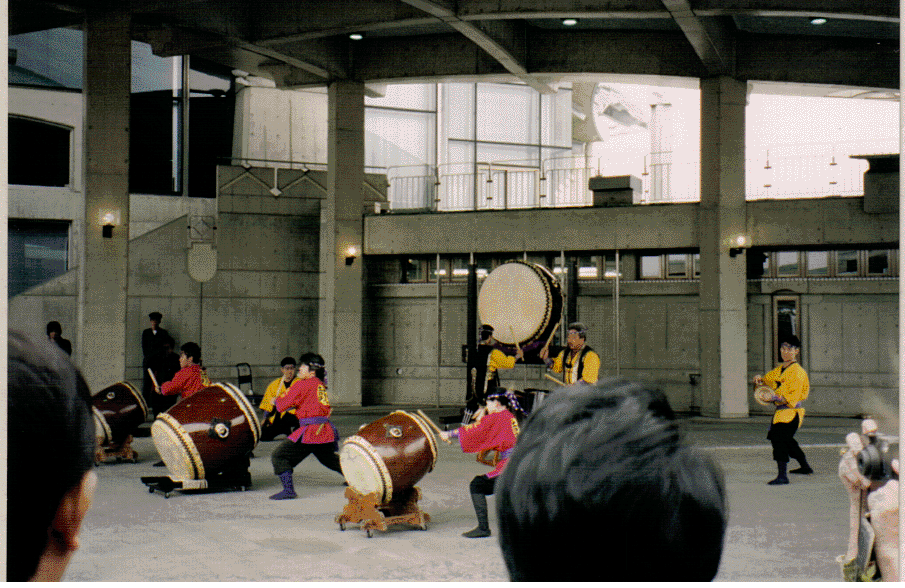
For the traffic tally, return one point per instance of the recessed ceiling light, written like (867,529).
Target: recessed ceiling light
(570,22)
(818,21)
(356,36)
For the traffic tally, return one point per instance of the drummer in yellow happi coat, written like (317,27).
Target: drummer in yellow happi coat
(790,389)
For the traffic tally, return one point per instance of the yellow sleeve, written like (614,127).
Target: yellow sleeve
(499,360)
(270,395)
(771,378)
(557,363)
(591,367)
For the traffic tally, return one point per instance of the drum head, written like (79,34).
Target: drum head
(516,300)
(364,469)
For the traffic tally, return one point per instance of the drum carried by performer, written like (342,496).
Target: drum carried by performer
(483,371)
(496,428)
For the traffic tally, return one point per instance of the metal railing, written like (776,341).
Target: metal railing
(563,181)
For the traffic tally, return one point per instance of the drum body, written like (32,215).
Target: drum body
(389,455)
(199,436)
(523,302)
(118,410)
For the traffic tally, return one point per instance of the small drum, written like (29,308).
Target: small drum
(389,455)
(763,395)
(523,302)
(118,410)
(199,436)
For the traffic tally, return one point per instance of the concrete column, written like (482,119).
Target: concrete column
(103,269)
(724,325)
(341,287)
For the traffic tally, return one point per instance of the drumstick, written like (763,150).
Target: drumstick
(153,379)
(514,340)
(432,424)
(552,332)
(549,377)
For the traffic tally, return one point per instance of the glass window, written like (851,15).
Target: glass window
(589,267)
(818,263)
(397,137)
(787,264)
(556,118)
(411,96)
(846,263)
(38,152)
(507,113)
(37,252)
(459,269)
(696,263)
(676,265)
(650,266)
(459,112)
(877,262)
(610,266)
(417,269)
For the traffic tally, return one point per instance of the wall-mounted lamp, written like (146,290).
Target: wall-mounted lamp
(738,244)
(108,220)
(351,254)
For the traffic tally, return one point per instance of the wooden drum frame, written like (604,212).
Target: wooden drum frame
(200,435)
(389,455)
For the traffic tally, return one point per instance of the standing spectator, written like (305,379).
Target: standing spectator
(48,414)
(151,346)
(276,422)
(55,334)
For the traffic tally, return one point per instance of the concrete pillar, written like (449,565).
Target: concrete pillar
(341,287)
(103,270)
(724,325)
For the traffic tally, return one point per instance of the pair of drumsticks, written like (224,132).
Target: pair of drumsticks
(548,376)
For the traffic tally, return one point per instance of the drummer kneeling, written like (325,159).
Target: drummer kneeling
(496,428)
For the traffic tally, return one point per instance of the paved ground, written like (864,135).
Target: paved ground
(780,533)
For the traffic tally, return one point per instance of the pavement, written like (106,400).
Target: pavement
(775,533)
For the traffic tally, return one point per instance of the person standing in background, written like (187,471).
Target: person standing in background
(55,334)
(151,347)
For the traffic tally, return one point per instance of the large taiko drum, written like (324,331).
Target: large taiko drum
(389,455)
(200,435)
(523,302)
(118,410)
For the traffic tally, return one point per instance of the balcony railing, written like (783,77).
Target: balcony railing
(563,182)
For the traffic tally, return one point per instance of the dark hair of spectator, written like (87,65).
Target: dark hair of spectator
(600,484)
(287,361)
(155,316)
(54,327)
(49,414)
(192,350)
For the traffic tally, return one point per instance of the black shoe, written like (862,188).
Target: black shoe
(805,470)
(778,481)
(159,464)
(476,532)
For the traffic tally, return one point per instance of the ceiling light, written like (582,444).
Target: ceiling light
(818,21)
(356,36)
(570,22)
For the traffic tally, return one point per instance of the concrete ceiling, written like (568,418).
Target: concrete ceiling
(306,43)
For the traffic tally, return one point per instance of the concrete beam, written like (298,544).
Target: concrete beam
(712,41)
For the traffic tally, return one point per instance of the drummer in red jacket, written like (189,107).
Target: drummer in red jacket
(316,433)
(191,378)
(495,428)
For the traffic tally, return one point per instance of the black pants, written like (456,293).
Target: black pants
(782,437)
(283,424)
(290,454)
(482,485)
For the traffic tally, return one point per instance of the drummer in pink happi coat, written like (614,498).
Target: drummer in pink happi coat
(496,428)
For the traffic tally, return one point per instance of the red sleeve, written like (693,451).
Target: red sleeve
(494,431)
(178,383)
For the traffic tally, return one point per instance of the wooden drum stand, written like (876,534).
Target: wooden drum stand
(365,509)
(120,451)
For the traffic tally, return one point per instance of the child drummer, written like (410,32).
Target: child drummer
(316,433)
(495,428)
